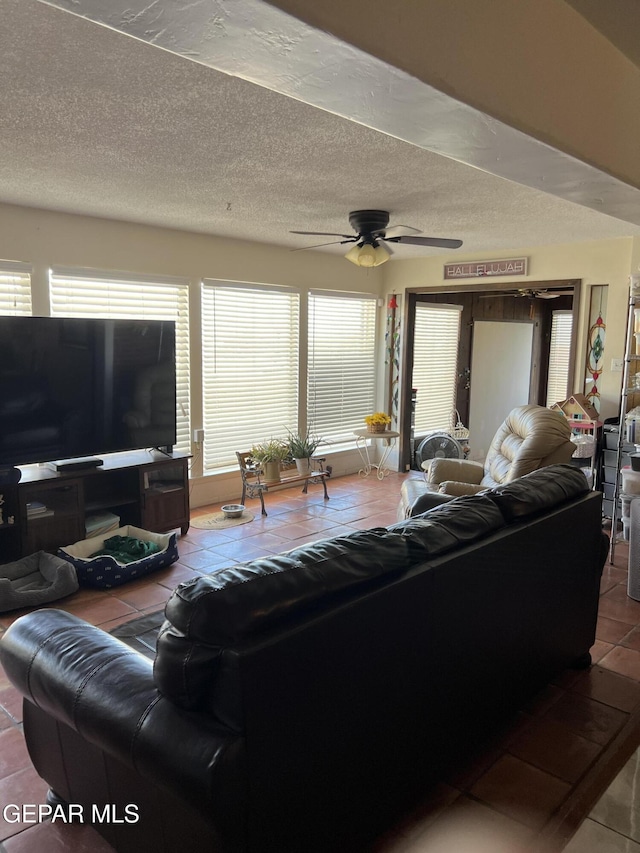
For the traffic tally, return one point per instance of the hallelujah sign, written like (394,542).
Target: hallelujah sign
(480,269)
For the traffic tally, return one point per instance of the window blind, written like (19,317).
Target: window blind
(250,363)
(559,355)
(15,288)
(435,361)
(91,293)
(341,373)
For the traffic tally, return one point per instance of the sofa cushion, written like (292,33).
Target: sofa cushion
(229,604)
(209,613)
(539,491)
(457,522)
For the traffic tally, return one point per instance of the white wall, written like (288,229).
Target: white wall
(45,238)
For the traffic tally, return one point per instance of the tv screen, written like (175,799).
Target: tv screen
(74,387)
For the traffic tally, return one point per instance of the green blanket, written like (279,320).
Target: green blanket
(127,549)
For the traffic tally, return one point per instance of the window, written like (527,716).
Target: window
(15,288)
(341,372)
(250,367)
(77,293)
(559,355)
(435,360)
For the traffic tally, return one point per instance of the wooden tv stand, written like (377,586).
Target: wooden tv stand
(145,488)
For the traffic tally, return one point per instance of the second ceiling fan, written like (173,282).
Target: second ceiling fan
(373,236)
(530,293)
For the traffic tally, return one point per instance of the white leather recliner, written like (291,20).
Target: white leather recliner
(529,438)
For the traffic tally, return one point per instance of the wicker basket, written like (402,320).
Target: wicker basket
(376,428)
(458,429)
(585,446)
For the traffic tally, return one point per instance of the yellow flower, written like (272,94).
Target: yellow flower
(377,418)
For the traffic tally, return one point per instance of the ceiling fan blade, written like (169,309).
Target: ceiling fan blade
(528,293)
(543,294)
(322,234)
(330,243)
(438,242)
(398,230)
(500,294)
(553,294)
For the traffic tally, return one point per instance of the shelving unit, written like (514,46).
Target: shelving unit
(610,468)
(143,488)
(629,399)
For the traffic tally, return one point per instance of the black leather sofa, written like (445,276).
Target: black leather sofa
(299,702)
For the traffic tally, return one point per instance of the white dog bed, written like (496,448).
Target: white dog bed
(105,571)
(34,580)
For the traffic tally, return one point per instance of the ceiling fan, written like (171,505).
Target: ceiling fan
(371,231)
(529,293)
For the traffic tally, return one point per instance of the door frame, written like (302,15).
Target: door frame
(411,295)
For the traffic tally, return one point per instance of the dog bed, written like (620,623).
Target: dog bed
(106,571)
(34,580)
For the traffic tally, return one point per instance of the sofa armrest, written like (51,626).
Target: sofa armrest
(460,470)
(104,690)
(78,674)
(454,489)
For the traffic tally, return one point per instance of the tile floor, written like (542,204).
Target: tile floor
(479,809)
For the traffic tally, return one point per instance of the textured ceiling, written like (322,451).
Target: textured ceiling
(97,123)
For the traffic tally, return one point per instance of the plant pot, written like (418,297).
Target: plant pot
(376,428)
(303,465)
(271,472)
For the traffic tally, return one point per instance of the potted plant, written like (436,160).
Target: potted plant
(302,446)
(269,455)
(377,422)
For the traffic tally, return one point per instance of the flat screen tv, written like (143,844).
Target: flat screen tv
(75,387)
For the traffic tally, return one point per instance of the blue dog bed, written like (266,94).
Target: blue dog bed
(105,571)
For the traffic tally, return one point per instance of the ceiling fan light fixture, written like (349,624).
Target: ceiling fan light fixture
(367,256)
(382,255)
(353,254)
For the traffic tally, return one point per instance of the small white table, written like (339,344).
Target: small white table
(362,444)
